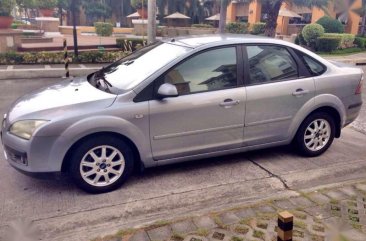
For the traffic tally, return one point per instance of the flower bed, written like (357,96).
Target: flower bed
(58,57)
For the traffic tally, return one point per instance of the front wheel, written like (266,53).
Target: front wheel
(315,134)
(101,164)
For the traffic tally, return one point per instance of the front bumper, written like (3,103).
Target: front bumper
(30,156)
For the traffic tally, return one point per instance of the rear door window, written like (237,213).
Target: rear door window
(270,64)
(312,65)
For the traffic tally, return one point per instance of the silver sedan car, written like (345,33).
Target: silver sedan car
(182,99)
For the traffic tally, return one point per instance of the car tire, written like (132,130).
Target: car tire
(101,164)
(315,135)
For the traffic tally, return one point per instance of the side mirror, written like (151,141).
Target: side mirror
(167,90)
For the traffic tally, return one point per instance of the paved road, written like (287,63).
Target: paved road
(62,212)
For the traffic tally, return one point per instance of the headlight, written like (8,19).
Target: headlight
(25,128)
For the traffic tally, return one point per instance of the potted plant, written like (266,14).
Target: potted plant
(46,7)
(6,7)
(141,7)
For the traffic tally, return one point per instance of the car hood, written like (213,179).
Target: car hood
(59,98)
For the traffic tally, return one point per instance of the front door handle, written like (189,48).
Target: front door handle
(229,103)
(300,92)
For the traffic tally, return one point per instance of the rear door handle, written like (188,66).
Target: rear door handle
(300,92)
(229,103)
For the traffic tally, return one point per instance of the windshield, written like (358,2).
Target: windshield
(131,70)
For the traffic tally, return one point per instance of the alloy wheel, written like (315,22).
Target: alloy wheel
(317,134)
(102,166)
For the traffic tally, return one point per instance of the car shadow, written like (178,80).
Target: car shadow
(59,183)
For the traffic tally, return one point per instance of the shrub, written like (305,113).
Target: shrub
(58,57)
(258,28)
(311,32)
(300,40)
(360,42)
(331,25)
(12,57)
(129,45)
(328,44)
(239,28)
(103,29)
(347,40)
(202,26)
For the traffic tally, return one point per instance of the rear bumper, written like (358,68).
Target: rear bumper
(353,111)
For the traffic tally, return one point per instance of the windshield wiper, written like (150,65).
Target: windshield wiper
(128,62)
(98,76)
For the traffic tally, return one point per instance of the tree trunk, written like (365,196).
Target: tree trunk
(222,23)
(272,15)
(363,25)
(121,16)
(151,29)
(60,12)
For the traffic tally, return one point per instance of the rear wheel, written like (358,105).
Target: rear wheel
(315,134)
(101,164)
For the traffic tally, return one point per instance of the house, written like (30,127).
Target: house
(251,12)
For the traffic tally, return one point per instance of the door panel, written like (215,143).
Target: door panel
(197,123)
(209,113)
(270,109)
(275,93)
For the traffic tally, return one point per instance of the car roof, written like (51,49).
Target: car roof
(213,39)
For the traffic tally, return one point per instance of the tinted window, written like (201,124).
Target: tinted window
(313,66)
(207,71)
(270,63)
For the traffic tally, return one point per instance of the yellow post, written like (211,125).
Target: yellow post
(285,226)
(66,59)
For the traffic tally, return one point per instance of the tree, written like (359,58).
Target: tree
(61,5)
(271,9)
(26,6)
(223,8)
(362,12)
(96,9)
(192,8)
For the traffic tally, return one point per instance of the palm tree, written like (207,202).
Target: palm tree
(192,8)
(362,12)
(271,10)
(223,8)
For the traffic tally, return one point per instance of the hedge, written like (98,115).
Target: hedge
(130,45)
(327,44)
(300,40)
(258,28)
(239,28)
(201,26)
(58,57)
(360,42)
(311,32)
(331,25)
(346,40)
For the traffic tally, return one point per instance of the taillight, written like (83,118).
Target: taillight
(359,87)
